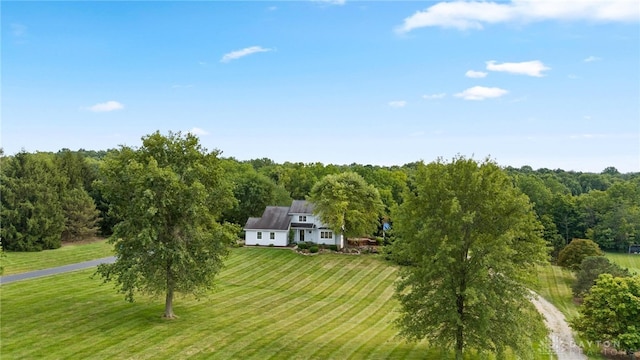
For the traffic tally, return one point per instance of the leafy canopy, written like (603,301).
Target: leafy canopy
(472,242)
(347,204)
(610,312)
(578,249)
(169,194)
(592,267)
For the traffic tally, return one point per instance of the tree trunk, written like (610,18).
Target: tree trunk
(460,328)
(168,304)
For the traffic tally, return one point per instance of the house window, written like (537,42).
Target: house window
(302,218)
(272,235)
(326,235)
(259,235)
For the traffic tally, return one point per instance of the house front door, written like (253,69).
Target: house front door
(301,235)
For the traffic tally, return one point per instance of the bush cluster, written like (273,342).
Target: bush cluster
(303,246)
(313,249)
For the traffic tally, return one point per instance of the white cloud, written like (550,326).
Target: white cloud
(475,74)
(531,68)
(465,15)
(434,96)
(106,106)
(481,93)
(198,131)
(592,59)
(237,54)
(397,103)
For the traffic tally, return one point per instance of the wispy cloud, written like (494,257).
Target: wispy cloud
(434,96)
(237,54)
(106,106)
(198,131)
(18,30)
(397,103)
(331,2)
(464,15)
(531,68)
(592,59)
(481,93)
(475,74)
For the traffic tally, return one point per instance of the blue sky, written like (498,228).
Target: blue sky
(546,84)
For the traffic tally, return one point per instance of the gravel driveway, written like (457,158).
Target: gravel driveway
(561,340)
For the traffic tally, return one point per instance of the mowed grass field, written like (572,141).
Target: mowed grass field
(19,262)
(268,304)
(629,261)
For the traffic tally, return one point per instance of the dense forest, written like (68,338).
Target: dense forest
(51,198)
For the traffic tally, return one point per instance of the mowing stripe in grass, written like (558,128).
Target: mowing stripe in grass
(297,289)
(354,319)
(304,326)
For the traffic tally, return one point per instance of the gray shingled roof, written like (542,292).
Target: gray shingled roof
(273,218)
(301,207)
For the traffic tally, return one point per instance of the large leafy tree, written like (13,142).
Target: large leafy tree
(577,250)
(347,204)
(590,269)
(253,192)
(471,241)
(610,312)
(169,194)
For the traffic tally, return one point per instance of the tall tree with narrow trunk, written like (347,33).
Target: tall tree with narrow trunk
(470,241)
(170,193)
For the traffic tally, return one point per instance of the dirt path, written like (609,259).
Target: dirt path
(560,335)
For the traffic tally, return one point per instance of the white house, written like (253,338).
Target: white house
(277,222)
(270,229)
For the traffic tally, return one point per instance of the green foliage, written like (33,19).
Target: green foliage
(333,247)
(592,267)
(610,312)
(472,242)
(253,193)
(313,249)
(347,204)
(169,194)
(32,215)
(303,246)
(81,215)
(577,250)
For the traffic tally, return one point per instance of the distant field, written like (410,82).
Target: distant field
(630,261)
(18,262)
(269,304)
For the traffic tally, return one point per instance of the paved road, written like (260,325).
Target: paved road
(56,270)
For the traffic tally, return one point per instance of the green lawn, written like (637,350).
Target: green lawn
(18,262)
(555,286)
(268,304)
(629,261)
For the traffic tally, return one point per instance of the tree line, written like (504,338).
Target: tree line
(50,198)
